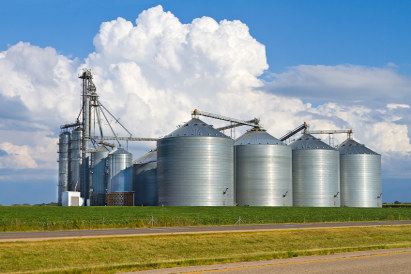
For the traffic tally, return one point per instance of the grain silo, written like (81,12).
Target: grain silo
(64,139)
(75,159)
(316,173)
(99,176)
(263,170)
(145,179)
(360,175)
(120,181)
(195,167)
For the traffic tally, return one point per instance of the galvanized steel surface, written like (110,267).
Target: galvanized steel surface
(195,167)
(307,141)
(350,146)
(196,127)
(120,171)
(361,184)
(263,170)
(64,139)
(75,159)
(85,177)
(257,137)
(316,173)
(145,180)
(99,176)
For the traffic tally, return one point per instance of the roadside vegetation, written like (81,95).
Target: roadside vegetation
(43,218)
(150,252)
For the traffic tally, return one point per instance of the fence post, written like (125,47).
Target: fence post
(152,221)
(103,222)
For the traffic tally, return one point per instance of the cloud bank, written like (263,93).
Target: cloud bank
(154,72)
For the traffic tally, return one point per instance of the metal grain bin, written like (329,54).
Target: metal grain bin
(75,159)
(360,175)
(99,176)
(145,179)
(316,173)
(195,167)
(119,175)
(263,170)
(64,139)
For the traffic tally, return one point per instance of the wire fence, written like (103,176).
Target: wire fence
(46,224)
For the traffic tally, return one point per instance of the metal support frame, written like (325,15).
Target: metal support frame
(293,132)
(251,123)
(125,138)
(331,133)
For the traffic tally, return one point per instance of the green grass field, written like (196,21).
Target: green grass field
(31,218)
(109,255)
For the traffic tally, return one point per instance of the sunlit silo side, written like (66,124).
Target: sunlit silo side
(360,175)
(120,181)
(195,167)
(145,179)
(75,159)
(99,176)
(263,170)
(64,140)
(316,173)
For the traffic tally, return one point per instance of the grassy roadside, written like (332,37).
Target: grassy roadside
(32,218)
(137,253)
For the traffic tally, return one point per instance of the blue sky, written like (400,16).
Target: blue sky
(372,33)
(336,63)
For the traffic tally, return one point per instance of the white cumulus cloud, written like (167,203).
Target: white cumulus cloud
(153,72)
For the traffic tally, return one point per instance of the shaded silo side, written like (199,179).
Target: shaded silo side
(85,179)
(263,170)
(75,159)
(64,139)
(120,181)
(99,176)
(316,173)
(145,179)
(360,169)
(195,167)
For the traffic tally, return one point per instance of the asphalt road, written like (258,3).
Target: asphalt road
(51,235)
(374,261)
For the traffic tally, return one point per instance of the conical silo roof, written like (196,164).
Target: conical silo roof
(257,137)
(196,127)
(307,142)
(119,150)
(350,146)
(149,157)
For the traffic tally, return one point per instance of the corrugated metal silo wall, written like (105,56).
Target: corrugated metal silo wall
(64,140)
(316,178)
(98,177)
(195,171)
(263,175)
(85,177)
(75,160)
(361,180)
(120,177)
(145,184)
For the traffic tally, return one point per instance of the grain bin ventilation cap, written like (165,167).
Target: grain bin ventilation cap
(150,157)
(350,146)
(307,142)
(257,136)
(196,127)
